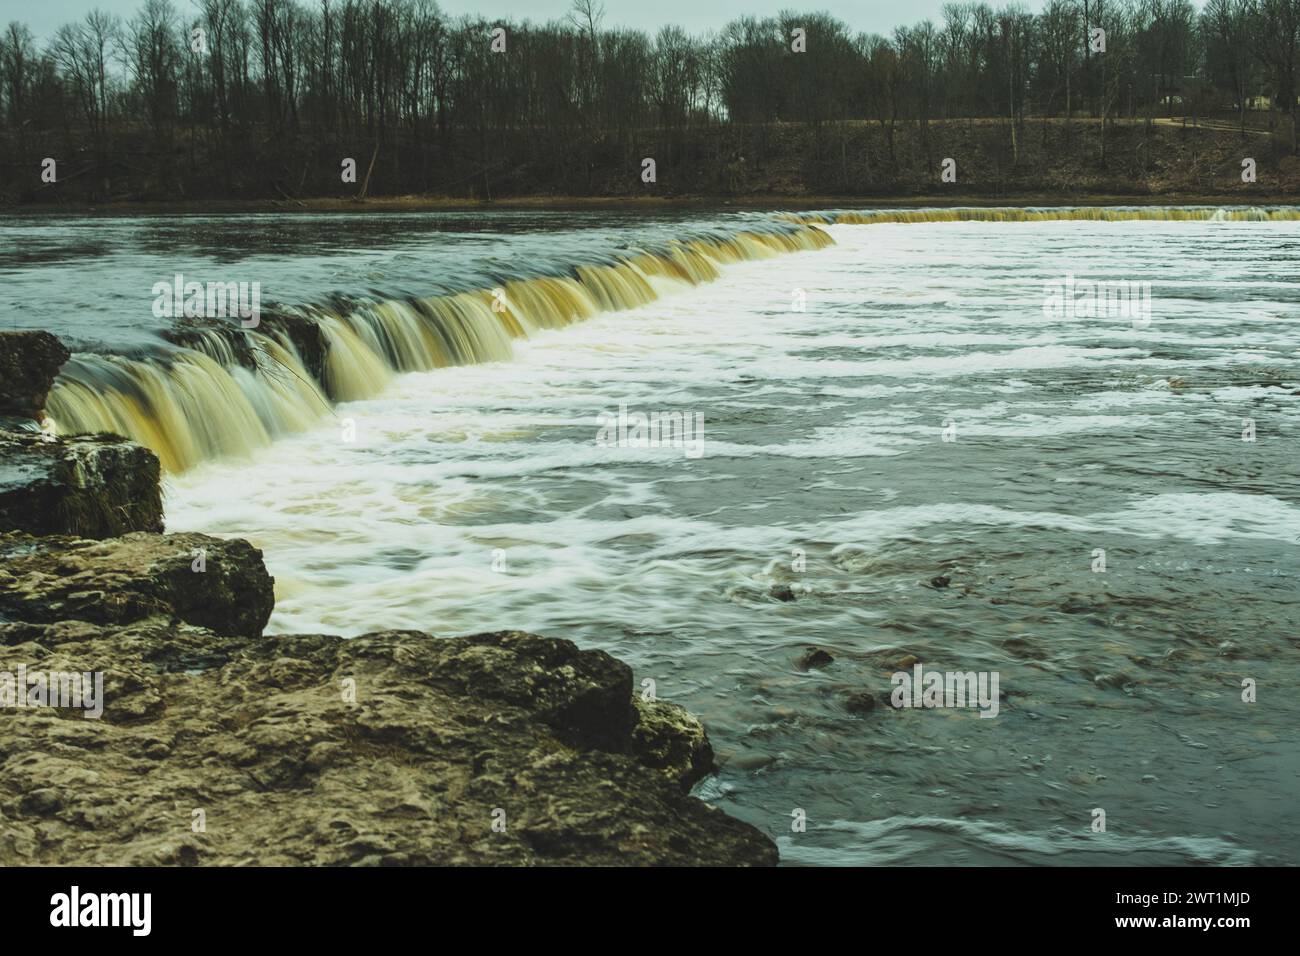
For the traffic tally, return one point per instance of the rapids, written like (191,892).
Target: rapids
(906,461)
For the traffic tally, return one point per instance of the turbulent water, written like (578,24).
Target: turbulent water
(903,458)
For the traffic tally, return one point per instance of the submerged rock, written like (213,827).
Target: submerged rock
(29,361)
(230,344)
(307,338)
(93,487)
(187,578)
(815,658)
(859,702)
(224,342)
(782,592)
(390,748)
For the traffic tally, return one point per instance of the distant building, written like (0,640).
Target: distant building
(1177,90)
(1266,101)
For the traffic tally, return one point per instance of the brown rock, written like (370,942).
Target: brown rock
(859,702)
(672,740)
(390,748)
(135,578)
(29,361)
(815,657)
(92,486)
(782,592)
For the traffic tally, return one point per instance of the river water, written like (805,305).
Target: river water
(904,459)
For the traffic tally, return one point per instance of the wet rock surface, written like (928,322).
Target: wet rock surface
(814,658)
(136,577)
(94,486)
(307,338)
(201,334)
(319,750)
(859,702)
(782,592)
(219,746)
(672,740)
(28,363)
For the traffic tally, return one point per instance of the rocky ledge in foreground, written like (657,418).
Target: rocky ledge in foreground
(219,746)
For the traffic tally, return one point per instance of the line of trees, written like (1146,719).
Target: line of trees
(439,101)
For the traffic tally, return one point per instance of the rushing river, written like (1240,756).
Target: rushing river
(903,459)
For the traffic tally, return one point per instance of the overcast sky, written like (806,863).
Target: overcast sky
(870,16)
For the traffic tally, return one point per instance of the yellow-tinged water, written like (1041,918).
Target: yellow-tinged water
(200,403)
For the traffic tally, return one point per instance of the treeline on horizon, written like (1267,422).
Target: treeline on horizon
(272,94)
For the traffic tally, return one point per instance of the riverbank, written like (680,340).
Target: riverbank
(649,204)
(1041,161)
(195,739)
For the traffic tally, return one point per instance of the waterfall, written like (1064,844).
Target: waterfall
(1052,214)
(229,391)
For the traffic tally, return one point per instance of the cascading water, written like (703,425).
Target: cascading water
(828,508)
(1052,214)
(231,391)
(204,401)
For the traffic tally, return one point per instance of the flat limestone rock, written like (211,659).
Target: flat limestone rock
(184,578)
(391,748)
(194,739)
